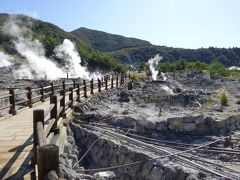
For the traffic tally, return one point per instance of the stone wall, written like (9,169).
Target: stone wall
(109,152)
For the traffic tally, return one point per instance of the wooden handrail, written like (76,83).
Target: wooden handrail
(40,134)
(5,107)
(47,112)
(48,128)
(47,155)
(21,92)
(53,113)
(4,95)
(22,101)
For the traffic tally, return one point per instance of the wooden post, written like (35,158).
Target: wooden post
(117,81)
(52,88)
(12,102)
(29,96)
(48,160)
(91,86)
(122,80)
(125,75)
(74,84)
(106,84)
(85,88)
(71,97)
(99,85)
(63,85)
(42,94)
(53,113)
(78,93)
(62,101)
(112,82)
(38,115)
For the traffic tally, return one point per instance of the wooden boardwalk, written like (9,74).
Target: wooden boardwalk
(16,136)
(16,143)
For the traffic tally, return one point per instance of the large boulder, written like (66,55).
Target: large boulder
(188,127)
(123,97)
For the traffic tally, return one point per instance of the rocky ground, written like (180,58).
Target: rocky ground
(180,113)
(183,110)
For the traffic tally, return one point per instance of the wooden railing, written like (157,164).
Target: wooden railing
(46,155)
(30,95)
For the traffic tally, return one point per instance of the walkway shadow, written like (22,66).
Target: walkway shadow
(26,163)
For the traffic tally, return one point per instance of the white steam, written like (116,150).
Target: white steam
(153,62)
(163,76)
(24,72)
(5,60)
(38,66)
(234,68)
(32,50)
(167,89)
(67,51)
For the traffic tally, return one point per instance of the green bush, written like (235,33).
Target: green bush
(138,76)
(223,97)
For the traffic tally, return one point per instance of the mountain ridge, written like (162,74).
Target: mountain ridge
(141,52)
(107,42)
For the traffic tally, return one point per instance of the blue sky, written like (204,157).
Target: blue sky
(175,23)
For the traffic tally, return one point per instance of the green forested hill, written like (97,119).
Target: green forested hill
(229,57)
(107,42)
(135,51)
(51,36)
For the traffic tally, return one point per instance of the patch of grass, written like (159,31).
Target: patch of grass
(177,125)
(138,76)
(210,101)
(223,97)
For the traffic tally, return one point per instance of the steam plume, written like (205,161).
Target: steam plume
(5,59)
(32,50)
(153,62)
(163,76)
(67,51)
(167,89)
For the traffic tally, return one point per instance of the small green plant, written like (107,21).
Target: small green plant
(210,101)
(177,124)
(138,76)
(223,97)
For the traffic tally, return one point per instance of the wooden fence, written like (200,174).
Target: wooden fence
(30,95)
(46,155)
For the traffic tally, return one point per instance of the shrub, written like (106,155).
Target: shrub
(138,76)
(223,97)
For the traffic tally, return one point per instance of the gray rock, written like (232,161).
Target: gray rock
(224,157)
(125,121)
(217,107)
(187,127)
(161,126)
(123,97)
(168,173)
(85,116)
(105,175)
(68,148)
(146,169)
(70,140)
(156,173)
(67,173)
